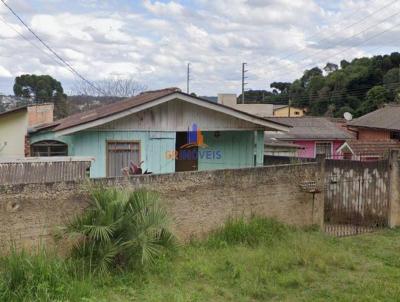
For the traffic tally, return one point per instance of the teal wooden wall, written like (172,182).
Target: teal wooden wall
(154,146)
(237,148)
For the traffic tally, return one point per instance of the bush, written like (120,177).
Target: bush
(40,277)
(120,229)
(253,232)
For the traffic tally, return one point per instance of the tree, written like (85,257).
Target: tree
(112,87)
(330,67)
(256,96)
(344,64)
(309,74)
(391,81)
(282,87)
(376,98)
(41,89)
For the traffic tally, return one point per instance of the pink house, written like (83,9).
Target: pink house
(315,136)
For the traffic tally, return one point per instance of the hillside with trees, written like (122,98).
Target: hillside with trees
(359,87)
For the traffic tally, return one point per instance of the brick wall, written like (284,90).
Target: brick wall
(197,202)
(40,114)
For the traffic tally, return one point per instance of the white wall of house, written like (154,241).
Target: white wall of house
(13,128)
(230,100)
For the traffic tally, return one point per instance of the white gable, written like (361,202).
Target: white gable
(176,112)
(178,115)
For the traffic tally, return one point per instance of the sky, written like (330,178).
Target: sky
(152,41)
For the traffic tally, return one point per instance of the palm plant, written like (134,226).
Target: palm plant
(120,229)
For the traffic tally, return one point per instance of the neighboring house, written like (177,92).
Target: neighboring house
(382,124)
(280,152)
(288,111)
(375,134)
(168,130)
(366,150)
(314,136)
(15,125)
(230,100)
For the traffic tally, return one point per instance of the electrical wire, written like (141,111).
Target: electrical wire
(71,68)
(340,30)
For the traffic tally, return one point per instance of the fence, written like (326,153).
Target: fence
(356,196)
(43,169)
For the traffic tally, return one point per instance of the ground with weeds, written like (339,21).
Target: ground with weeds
(257,261)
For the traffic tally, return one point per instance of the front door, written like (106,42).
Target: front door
(187,159)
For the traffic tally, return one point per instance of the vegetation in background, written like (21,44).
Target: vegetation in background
(359,86)
(257,260)
(120,229)
(42,89)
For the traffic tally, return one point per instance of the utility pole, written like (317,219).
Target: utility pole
(243,80)
(188,79)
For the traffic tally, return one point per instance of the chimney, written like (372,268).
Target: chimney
(39,114)
(227,99)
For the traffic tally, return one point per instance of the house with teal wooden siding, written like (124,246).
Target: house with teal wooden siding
(156,128)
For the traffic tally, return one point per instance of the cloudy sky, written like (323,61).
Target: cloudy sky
(152,41)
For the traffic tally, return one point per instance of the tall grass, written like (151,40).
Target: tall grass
(252,232)
(40,276)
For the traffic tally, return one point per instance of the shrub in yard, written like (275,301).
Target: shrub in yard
(252,232)
(120,229)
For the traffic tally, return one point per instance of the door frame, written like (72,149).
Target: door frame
(121,141)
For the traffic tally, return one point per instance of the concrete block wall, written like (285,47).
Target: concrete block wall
(197,202)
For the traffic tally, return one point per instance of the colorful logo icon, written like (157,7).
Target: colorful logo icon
(195,138)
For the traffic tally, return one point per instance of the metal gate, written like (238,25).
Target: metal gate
(356,196)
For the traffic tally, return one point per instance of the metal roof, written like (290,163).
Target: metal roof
(387,118)
(308,128)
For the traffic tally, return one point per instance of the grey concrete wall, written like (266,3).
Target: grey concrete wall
(197,202)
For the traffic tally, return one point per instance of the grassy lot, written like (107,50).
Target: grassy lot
(263,261)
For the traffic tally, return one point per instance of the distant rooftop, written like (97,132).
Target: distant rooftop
(308,128)
(387,117)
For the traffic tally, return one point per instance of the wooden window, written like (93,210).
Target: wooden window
(323,150)
(395,135)
(347,155)
(49,148)
(120,154)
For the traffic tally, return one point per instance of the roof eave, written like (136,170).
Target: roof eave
(265,123)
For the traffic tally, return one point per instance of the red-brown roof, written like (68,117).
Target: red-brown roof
(107,110)
(114,108)
(372,147)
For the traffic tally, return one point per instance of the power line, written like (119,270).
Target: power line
(342,29)
(361,92)
(30,42)
(71,68)
(348,48)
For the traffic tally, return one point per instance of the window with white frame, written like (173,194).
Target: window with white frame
(323,150)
